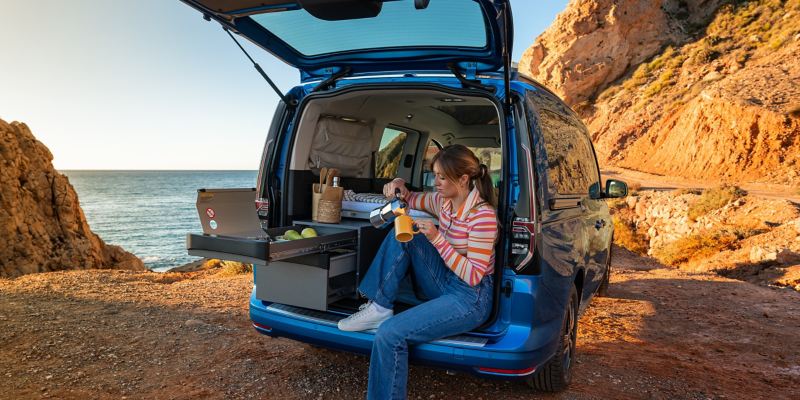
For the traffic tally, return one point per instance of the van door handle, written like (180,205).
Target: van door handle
(599,224)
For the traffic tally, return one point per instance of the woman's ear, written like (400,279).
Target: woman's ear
(464,181)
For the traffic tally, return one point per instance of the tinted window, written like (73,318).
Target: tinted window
(388,158)
(450,23)
(571,164)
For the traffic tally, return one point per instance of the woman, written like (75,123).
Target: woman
(452,266)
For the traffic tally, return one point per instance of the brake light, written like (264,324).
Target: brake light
(522,241)
(262,209)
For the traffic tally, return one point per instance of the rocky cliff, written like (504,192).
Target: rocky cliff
(701,89)
(42,227)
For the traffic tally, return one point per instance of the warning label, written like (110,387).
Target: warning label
(210,212)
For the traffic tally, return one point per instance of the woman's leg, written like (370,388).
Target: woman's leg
(382,280)
(388,268)
(458,310)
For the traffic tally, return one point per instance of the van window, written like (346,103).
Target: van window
(571,164)
(427,169)
(493,158)
(390,150)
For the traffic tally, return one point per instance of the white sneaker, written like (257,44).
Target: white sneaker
(368,317)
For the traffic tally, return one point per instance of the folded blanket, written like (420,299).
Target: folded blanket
(377,198)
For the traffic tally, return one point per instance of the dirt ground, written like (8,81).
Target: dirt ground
(662,334)
(649,181)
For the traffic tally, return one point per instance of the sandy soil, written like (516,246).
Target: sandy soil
(663,334)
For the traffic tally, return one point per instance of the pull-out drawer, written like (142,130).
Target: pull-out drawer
(256,248)
(311,281)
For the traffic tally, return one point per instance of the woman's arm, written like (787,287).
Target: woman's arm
(423,201)
(480,248)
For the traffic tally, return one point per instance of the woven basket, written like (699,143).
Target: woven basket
(315,197)
(329,211)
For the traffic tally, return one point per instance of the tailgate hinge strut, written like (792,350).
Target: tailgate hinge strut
(331,80)
(469,83)
(286,99)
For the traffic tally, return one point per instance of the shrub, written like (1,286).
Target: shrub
(712,199)
(627,236)
(231,268)
(696,247)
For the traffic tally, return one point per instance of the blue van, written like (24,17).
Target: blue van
(385,84)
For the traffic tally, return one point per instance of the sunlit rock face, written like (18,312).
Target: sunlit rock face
(42,227)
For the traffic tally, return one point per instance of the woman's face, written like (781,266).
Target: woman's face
(445,186)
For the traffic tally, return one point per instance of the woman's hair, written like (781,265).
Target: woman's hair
(456,160)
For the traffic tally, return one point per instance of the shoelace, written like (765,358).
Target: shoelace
(361,309)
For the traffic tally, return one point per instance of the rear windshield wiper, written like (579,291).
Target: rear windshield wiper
(473,83)
(286,99)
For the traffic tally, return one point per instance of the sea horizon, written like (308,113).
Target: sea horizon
(149,212)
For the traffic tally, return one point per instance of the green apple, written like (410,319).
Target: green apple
(309,233)
(292,234)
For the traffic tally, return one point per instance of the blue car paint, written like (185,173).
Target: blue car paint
(525,333)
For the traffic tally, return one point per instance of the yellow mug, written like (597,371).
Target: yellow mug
(404,228)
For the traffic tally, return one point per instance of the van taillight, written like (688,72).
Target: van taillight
(262,209)
(522,243)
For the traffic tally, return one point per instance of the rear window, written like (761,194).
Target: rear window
(449,23)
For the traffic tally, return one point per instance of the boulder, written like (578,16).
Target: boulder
(42,226)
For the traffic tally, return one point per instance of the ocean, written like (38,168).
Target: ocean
(148,213)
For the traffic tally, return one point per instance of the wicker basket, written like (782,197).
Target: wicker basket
(329,211)
(315,197)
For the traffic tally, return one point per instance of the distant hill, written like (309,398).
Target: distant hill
(705,89)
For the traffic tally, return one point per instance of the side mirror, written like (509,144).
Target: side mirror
(615,189)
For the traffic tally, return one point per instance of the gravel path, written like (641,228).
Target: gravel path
(662,334)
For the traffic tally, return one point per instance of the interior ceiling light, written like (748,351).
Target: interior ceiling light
(409,116)
(451,100)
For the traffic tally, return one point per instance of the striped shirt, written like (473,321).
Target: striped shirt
(466,237)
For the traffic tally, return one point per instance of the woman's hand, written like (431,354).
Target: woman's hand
(397,183)
(428,228)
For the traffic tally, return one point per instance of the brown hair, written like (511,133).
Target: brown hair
(456,160)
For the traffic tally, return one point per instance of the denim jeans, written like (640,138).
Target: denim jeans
(454,307)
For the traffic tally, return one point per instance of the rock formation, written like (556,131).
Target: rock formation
(42,227)
(686,88)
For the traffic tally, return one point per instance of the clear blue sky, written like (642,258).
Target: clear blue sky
(148,84)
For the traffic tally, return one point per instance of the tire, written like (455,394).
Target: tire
(556,375)
(602,291)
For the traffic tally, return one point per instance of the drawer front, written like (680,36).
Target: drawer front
(293,284)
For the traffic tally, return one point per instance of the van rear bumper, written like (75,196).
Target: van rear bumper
(464,353)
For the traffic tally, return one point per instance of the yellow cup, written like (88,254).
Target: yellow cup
(404,228)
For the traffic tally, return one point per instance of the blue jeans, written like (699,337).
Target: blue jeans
(454,307)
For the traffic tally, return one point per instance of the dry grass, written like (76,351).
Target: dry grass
(713,199)
(695,247)
(703,245)
(627,236)
(231,268)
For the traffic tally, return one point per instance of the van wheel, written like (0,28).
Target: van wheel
(556,374)
(602,291)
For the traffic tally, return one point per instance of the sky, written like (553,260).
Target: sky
(148,84)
